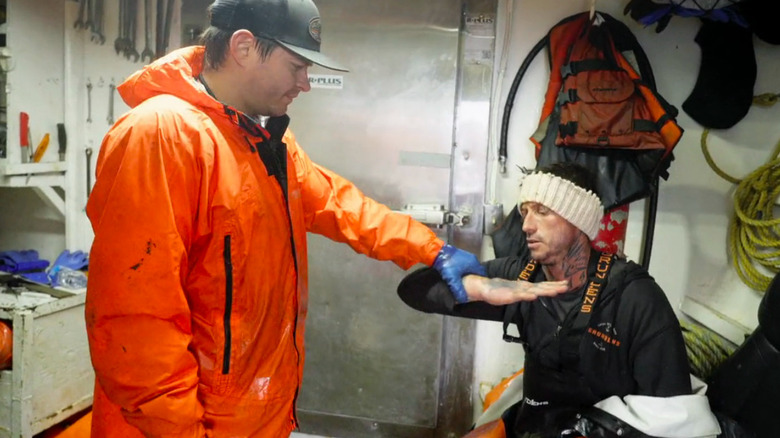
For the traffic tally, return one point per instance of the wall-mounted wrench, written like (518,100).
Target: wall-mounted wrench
(158,34)
(119,42)
(166,39)
(89,101)
(111,89)
(97,22)
(147,52)
(88,153)
(132,20)
(90,24)
(79,23)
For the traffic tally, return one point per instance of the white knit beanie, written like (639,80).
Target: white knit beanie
(582,208)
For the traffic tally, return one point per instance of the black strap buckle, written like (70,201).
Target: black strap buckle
(515,339)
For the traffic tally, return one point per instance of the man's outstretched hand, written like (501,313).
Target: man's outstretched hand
(499,292)
(453,263)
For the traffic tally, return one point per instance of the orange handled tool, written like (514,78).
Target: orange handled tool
(41,149)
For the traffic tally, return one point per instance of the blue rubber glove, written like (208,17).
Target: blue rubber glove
(453,263)
(38,277)
(75,260)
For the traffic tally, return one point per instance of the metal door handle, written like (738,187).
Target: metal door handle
(435,214)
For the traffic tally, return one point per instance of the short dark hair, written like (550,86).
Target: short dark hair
(217,41)
(575,173)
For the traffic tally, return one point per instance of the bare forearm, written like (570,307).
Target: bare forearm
(478,288)
(499,291)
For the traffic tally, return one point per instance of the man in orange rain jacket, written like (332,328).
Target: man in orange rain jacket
(197,294)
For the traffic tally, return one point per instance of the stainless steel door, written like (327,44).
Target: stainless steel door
(372,364)
(374,367)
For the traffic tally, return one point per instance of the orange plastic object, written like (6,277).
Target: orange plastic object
(494,429)
(499,389)
(6,345)
(41,149)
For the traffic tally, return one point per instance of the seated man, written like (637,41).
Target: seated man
(611,333)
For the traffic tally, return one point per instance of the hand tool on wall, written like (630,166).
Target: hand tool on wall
(90,15)
(97,22)
(62,140)
(24,136)
(160,22)
(167,27)
(89,101)
(41,149)
(119,42)
(132,19)
(88,153)
(79,24)
(148,52)
(111,89)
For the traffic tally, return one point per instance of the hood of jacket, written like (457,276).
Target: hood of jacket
(623,272)
(174,74)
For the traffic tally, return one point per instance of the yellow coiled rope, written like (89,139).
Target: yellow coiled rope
(706,350)
(754,233)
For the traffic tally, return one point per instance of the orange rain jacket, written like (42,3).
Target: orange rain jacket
(198,289)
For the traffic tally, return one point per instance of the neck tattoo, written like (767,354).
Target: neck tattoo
(574,266)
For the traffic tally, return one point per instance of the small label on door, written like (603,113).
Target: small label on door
(327,81)
(481,25)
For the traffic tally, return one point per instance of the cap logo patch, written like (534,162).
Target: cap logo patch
(314,28)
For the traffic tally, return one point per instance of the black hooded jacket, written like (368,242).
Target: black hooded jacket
(630,344)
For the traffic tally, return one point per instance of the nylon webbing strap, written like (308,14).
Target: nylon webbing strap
(638,125)
(574,67)
(528,274)
(645,125)
(573,329)
(567,96)
(596,284)
(567,129)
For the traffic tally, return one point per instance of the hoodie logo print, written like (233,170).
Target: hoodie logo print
(605,335)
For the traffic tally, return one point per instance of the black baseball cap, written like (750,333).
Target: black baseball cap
(295,24)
